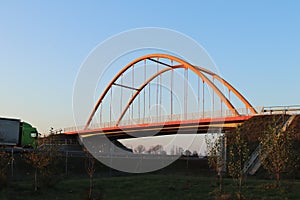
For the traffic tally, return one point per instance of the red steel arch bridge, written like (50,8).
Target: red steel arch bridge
(161,94)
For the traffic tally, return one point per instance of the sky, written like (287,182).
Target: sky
(255,45)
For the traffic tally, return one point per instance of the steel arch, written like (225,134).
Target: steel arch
(230,87)
(183,64)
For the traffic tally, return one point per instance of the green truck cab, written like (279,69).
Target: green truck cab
(29,135)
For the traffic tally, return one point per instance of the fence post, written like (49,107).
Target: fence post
(66,165)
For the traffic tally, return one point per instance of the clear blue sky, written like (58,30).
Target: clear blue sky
(255,44)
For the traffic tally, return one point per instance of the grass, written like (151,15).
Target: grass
(176,181)
(148,186)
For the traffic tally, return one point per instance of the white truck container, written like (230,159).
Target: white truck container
(10,130)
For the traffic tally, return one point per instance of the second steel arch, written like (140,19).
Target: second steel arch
(182,64)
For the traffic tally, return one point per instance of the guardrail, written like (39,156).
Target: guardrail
(293,109)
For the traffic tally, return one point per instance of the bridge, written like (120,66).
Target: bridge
(160,94)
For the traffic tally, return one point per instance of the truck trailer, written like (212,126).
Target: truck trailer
(14,132)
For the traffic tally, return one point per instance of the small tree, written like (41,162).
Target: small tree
(157,149)
(237,157)
(216,160)
(42,159)
(195,154)
(140,149)
(90,169)
(39,159)
(277,153)
(187,153)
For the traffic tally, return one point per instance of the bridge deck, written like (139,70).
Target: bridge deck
(166,128)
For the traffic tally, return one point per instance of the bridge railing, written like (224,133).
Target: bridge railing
(168,118)
(181,117)
(293,109)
